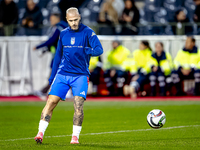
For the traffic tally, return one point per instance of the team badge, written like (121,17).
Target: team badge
(72,40)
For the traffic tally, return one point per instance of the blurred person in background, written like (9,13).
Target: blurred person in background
(32,19)
(114,73)
(51,44)
(130,17)
(181,17)
(130,67)
(161,66)
(141,57)
(8,16)
(197,13)
(187,66)
(109,14)
(95,69)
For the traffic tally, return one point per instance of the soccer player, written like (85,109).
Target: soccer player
(76,45)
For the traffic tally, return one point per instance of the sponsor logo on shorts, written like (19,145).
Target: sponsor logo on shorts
(82,93)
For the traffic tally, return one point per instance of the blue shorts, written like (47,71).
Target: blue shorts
(62,84)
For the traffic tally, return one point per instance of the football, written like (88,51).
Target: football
(156,118)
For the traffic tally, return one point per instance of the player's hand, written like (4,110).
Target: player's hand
(1,24)
(34,48)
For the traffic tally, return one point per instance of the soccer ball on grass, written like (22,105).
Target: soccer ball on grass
(156,118)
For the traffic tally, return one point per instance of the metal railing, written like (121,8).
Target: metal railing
(180,28)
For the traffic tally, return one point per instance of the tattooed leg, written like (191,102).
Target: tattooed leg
(46,117)
(78,111)
(48,109)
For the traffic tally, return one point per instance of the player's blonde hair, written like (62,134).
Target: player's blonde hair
(72,10)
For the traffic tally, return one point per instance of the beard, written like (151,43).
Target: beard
(75,27)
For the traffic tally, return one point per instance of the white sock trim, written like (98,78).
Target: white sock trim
(43,126)
(76,130)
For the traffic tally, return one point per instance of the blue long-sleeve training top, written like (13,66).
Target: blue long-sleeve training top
(74,50)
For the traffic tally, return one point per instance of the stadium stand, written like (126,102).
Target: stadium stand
(154,16)
(172,6)
(156,3)
(90,11)
(190,7)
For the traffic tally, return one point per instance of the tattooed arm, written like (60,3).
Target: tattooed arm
(78,111)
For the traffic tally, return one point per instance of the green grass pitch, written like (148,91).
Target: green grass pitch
(107,125)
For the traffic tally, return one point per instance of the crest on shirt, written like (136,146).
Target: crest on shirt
(72,40)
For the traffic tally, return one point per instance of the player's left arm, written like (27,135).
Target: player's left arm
(95,48)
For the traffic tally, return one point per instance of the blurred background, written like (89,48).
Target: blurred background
(26,24)
(106,17)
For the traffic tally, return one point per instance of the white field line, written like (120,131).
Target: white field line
(111,132)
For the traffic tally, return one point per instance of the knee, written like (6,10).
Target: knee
(52,101)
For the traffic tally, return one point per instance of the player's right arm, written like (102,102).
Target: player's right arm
(57,59)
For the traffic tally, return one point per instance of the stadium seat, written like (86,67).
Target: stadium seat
(190,6)
(172,6)
(21,3)
(52,5)
(16,1)
(146,17)
(173,3)
(156,3)
(21,14)
(155,15)
(43,3)
(161,16)
(90,11)
(150,11)
(142,29)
